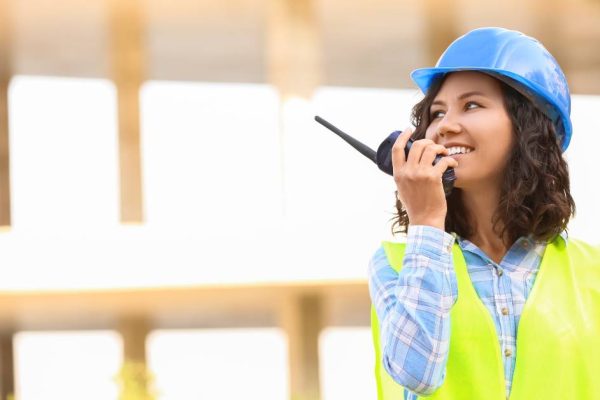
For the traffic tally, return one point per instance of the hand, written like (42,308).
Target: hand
(419,182)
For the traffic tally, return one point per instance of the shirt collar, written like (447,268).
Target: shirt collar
(461,241)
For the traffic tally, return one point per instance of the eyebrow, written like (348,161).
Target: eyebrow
(462,96)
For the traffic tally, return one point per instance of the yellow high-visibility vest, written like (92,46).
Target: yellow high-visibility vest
(558,340)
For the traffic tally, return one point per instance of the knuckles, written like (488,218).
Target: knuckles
(397,148)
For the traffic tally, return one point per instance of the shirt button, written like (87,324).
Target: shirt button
(507,352)
(499,271)
(526,244)
(504,311)
(449,248)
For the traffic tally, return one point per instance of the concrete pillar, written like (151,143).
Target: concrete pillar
(128,70)
(301,318)
(136,381)
(134,330)
(5,75)
(293,60)
(441,27)
(293,51)
(7,374)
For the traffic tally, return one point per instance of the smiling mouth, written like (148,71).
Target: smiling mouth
(456,155)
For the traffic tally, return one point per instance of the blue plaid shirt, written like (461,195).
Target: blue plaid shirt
(413,306)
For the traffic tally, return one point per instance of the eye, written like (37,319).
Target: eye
(437,114)
(471,105)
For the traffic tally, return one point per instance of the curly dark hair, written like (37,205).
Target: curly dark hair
(535,197)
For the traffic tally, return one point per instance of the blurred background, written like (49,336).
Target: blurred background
(174,223)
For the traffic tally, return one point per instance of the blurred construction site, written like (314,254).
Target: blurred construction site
(176,226)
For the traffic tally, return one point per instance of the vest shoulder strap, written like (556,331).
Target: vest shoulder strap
(395,253)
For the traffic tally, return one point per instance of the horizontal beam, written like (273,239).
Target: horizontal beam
(343,304)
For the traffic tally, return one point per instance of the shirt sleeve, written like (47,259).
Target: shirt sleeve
(413,308)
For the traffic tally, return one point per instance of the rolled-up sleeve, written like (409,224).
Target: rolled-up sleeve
(413,308)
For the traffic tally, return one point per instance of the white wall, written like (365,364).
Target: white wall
(223,165)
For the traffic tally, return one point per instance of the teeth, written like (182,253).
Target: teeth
(457,150)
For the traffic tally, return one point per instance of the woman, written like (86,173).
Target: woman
(488,298)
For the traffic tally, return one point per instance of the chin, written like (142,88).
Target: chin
(462,183)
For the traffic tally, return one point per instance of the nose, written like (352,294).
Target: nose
(448,125)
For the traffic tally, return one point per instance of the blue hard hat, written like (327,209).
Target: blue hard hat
(516,59)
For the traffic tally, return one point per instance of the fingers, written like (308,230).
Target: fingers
(430,152)
(444,164)
(422,154)
(416,151)
(398,156)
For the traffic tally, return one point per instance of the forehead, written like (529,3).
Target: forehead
(457,83)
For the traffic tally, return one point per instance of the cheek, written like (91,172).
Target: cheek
(505,139)
(496,136)
(430,132)
(494,155)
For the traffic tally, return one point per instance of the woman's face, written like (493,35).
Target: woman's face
(469,112)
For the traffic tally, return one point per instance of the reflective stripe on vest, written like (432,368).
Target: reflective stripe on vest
(558,341)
